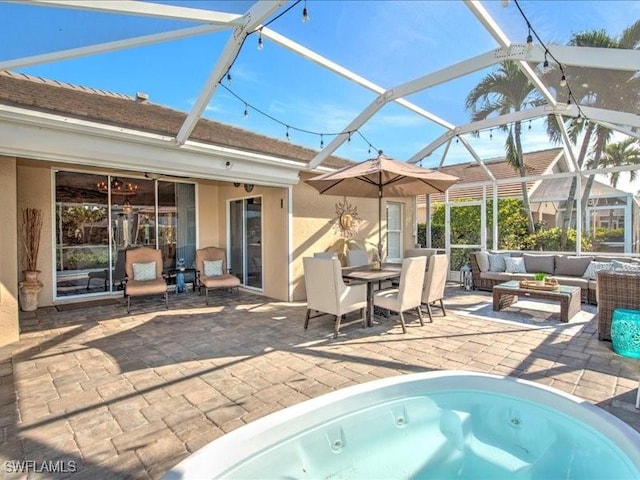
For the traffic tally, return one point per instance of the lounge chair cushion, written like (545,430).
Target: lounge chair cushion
(220,281)
(212,268)
(144,271)
(146,287)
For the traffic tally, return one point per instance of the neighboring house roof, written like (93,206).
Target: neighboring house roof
(34,93)
(556,189)
(537,163)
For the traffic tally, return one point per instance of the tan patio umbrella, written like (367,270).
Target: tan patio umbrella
(382,177)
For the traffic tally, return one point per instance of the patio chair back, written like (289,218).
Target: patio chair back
(142,255)
(435,278)
(210,253)
(411,282)
(357,258)
(327,292)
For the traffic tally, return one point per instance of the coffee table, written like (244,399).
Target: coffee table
(505,294)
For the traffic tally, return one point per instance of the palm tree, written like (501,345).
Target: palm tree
(626,152)
(504,91)
(613,90)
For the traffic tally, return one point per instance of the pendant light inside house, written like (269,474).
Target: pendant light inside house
(126,206)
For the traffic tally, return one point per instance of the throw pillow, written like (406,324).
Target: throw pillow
(144,271)
(496,262)
(212,268)
(625,266)
(595,267)
(514,265)
(482,258)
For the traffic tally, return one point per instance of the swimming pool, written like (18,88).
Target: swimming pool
(436,425)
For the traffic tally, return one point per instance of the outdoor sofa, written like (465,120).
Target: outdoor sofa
(489,269)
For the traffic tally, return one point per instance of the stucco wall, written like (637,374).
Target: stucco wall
(34,191)
(314,226)
(274,233)
(9,325)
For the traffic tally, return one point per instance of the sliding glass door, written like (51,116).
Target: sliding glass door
(245,240)
(99,217)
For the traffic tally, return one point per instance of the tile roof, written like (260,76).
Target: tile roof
(51,96)
(537,163)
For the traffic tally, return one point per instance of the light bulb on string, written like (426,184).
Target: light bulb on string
(228,77)
(529,40)
(529,125)
(491,134)
(545,65)
(260,42)
(305,14)
(321,141)
(349,138)
(246,110)
(563,81)
(287,134)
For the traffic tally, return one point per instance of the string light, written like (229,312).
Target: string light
(260,43)
(246,110)
(287,134)
(229,77)
(491,134)
(563,78)
(529,125)
(305,13)
(289,127)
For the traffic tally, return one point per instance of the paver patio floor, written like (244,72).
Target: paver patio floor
(129,396)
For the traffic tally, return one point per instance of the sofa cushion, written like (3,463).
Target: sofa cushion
(539,263)
(500,276)
(514,265)
(496,262)
(573,281)
(594,267)
(482,258)
(571,266)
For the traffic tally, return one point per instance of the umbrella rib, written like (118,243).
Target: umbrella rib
(330,186)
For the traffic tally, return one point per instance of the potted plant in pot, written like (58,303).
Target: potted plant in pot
(30,286)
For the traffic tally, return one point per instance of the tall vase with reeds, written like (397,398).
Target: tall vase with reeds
(30,286)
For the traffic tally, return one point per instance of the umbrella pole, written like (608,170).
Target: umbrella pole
(380,219)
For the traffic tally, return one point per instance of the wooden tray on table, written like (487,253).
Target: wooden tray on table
(549,285)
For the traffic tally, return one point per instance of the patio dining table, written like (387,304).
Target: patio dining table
(366,273)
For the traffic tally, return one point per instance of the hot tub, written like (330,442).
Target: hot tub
(437,425)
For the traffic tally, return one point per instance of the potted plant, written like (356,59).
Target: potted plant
(30,286)
(540,278)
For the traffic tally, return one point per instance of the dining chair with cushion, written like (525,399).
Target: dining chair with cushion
(357,258)
(328,294)
(212,272)
(435,279)
(143,270)
(409,293)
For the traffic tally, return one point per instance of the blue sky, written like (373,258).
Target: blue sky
(388,43)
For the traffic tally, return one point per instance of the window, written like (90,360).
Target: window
(394,231)
(98,217)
